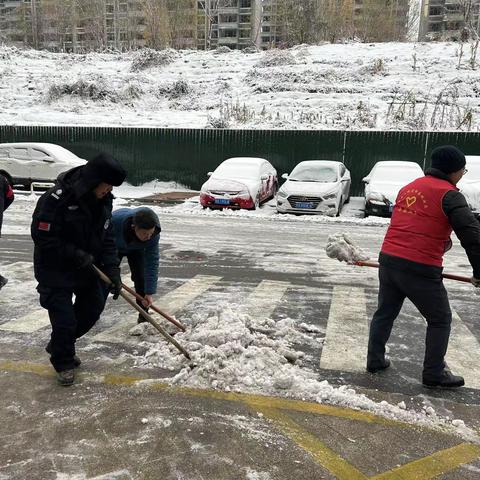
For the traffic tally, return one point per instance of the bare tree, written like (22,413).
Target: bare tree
(157,34)
(182,23)
(209,9)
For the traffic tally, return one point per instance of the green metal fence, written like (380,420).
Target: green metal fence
(186,155)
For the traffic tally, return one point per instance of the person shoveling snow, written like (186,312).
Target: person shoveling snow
(341,247)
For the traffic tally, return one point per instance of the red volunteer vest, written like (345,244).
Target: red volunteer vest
(419,230)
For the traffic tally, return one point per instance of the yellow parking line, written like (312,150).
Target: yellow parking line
(436,464)
(327,458)
(259,400)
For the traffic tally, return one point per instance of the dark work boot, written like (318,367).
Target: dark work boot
(65,378)
(446,380)
(76,361)
(141,319)
(3,281)
(379,367)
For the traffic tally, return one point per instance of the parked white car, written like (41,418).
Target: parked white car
(315,186)
(239,182)
(24,163)
(384,182)
(469,185)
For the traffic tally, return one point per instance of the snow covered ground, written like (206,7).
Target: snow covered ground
(404,86)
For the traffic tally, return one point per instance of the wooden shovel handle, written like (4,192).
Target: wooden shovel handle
(450,276)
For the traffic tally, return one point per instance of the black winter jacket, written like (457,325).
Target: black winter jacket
(6,197)
(465,226)
(69,219)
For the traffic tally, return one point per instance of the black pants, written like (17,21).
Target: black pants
(71,320)
(136,262)
(430,297)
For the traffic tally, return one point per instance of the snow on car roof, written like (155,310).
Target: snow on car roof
(52,148)
(320,162)
(245,160)
(397,163)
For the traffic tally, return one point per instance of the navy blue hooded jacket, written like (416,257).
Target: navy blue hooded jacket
(122,220)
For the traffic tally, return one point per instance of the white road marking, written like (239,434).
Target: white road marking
(171,303)
(346,338)
(264,299)
(28,323)
(463,355)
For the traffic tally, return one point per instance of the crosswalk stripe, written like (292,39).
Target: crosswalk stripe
(464,353)
(28,323)
(264,299)
(171,303)
(346,337)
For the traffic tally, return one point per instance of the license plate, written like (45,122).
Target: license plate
(222,201)
(304,205)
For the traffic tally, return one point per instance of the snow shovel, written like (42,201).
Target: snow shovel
(450,276)
(144,314)
(155,308)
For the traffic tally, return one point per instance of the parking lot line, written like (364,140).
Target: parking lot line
(462,348)
(346,337)
(265,298)
(29,323)
(439,463)
(326,457)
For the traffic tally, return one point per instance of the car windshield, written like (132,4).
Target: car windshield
(313,173)
(235,170)
(395,174)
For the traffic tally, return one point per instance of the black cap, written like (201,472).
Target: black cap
(448,159)
(105,168)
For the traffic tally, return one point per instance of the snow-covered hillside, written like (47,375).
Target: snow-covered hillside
(402,86)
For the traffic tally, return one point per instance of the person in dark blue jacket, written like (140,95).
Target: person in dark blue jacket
(6,198)
(137,235)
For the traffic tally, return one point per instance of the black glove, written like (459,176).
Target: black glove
(83,259)
(113,273)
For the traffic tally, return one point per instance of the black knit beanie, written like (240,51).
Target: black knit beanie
(105,168)
(448,159)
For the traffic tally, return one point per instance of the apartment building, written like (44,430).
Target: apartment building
(232,23)
(381,20)
(446,19)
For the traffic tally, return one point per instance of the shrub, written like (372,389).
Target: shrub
(148,58)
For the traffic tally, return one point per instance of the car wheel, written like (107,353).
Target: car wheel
(256,205)
(274,191)
(348,198)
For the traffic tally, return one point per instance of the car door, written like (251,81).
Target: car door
(19,164)
(44,167)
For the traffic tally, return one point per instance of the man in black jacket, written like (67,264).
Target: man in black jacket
(72,230)
(6,198)
(425,213)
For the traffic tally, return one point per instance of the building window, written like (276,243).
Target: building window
(245,3)
(228,33)
(244,18)
(434,27)
(228,18)
(435,10)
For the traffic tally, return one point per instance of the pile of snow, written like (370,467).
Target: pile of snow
(231,351)
(401,86)
(340,247)
(148,189)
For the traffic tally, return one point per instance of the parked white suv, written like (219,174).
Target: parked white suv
(25,163)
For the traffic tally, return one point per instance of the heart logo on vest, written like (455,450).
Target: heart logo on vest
(411,201)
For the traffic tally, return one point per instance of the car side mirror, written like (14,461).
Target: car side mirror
(209,174)
(365,180)
(285,176)
(264,177)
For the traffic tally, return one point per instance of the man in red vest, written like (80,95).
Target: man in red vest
(425,213)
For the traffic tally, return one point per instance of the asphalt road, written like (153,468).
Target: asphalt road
(243,252)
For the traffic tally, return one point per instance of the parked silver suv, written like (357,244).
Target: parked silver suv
(26,163)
